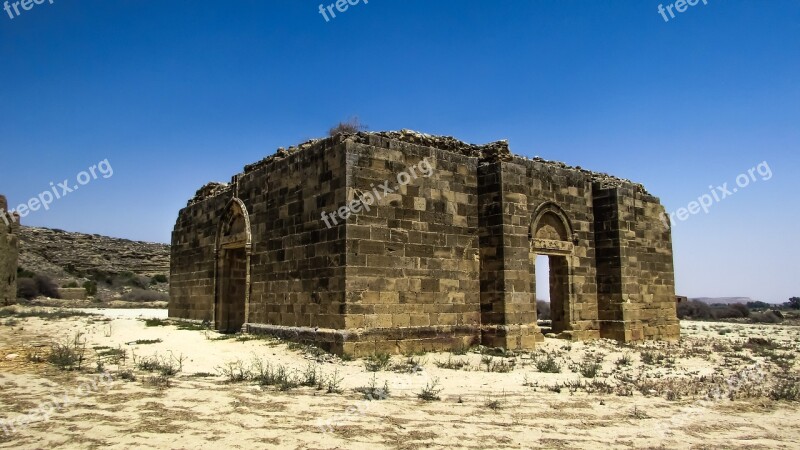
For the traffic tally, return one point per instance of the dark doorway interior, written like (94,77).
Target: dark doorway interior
(559,292)
(233,285)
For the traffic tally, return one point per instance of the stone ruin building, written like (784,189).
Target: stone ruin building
(443,260)
(9,253)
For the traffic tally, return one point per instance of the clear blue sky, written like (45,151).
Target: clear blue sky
(178,93)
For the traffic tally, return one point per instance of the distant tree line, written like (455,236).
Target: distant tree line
(756,311)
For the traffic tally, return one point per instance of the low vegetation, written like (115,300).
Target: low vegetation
(69,353)
(30,286)
(377,362)
(753,312)
(46,314)
(165,365)
(144,295)
(431,391)
(547,364)
(265,373)
(350,126)
(373,391)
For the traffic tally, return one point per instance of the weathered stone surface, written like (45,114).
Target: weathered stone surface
(9,253)
(56,252)
(446,260)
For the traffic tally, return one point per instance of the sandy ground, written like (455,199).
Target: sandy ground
(714,389)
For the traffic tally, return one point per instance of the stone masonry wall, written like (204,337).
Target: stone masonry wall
(192,260)
(9,253)
(412,259)
(608,252)
(540,184)
(443,262)
(635,269)
(507,302)
(297,263)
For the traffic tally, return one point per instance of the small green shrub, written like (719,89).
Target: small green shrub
(452,364)
(786,389)
(377,362)
(334,383)
(311,376)
(589,369)
(497,366)
(156,322)
(412,364)
(494,405)
(548,365)
(90,287)
(373,392)
(165,366)
(191,326)
(127,375)
(113,355)
(624,360)
(235,372)
(68,354)
(158,381)
(431,391)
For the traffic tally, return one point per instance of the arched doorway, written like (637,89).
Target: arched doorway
(551,237)
(233,269)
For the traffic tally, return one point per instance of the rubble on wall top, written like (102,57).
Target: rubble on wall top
(487,153)
(491,152)
(605,180)
(211,189)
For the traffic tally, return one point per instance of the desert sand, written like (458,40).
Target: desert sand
(722,386)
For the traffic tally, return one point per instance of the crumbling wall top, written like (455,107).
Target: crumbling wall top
(211,189)
(604,180)
(491,152)
(487,153)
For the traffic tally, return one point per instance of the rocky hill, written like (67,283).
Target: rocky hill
(61,254)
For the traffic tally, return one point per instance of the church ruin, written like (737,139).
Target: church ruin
(414,259)
(9,253)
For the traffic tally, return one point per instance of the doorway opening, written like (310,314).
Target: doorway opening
(552,247)
(552,286)
(233,269)
(233,288)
